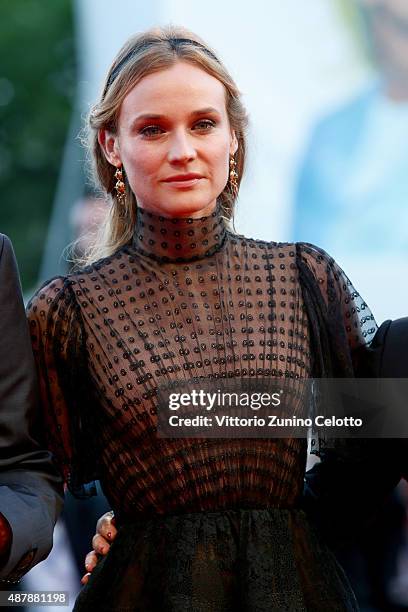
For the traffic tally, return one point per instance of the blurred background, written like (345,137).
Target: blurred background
(326,87)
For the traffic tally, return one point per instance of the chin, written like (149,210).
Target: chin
(178,208)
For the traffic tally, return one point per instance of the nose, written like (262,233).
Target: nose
(181,148)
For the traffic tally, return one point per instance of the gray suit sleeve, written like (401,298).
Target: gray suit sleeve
(30,487)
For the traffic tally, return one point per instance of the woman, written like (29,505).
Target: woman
(171,293)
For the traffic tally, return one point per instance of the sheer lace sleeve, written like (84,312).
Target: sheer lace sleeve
(341,324)
(344,490)
(58,341)
(346,324)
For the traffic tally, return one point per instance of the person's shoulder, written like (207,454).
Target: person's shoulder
(98,266)
(6,248)
(247,242)
(309,251)
(48,294)
(304,250)
(5,242)
(10,286)
(319,262)
(62,288)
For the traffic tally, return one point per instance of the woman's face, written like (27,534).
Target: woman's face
(174,141)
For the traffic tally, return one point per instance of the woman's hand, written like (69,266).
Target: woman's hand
(105,533)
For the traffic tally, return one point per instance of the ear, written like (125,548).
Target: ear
(109,144)
(234,143)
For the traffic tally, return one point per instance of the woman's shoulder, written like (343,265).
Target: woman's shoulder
(247,242)
(316,258)
(100,266)
(306,250)
(63,288)
(50,288)
(45,306)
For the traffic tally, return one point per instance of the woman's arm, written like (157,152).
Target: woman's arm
(68,408)
(354,477)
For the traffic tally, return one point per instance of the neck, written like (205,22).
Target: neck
(179,238)
(204,212)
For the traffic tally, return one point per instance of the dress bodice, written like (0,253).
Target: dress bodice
(186,298)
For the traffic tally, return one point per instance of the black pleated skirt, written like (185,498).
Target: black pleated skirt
(263,560)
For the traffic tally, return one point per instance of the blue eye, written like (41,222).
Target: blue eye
(150,130)
(207,123)
(155,130)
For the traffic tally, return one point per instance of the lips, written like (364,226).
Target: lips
(182,177)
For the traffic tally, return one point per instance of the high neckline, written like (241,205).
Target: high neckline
(181,238)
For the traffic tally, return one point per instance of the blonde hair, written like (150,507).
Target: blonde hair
(153,50)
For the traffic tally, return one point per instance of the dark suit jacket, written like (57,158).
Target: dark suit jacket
(343,496)
(388,353)
(30,487)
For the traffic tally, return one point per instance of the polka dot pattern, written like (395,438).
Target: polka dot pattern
(178,239)
(186,298)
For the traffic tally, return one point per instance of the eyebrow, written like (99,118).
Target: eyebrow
(201,111)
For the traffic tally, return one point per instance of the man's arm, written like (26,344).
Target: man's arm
(342,496)
(30,488)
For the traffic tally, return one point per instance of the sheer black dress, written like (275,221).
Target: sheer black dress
(204,525)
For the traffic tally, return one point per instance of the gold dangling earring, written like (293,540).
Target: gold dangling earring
(120,186)
(233,176)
